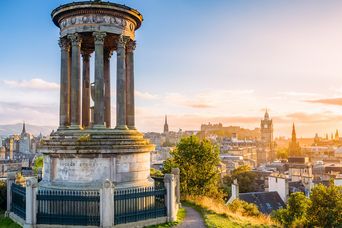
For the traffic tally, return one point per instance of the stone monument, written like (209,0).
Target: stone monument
(85,150)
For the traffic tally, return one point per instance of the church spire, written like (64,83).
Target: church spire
(294,137)
(24,128)
(166,126)
(266,117)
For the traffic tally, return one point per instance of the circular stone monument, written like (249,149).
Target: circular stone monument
(85,150)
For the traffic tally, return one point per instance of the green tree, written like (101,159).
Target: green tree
(326,206)
(295,211)
(245,178)
(155,173)
(282,153)
(198,162)
(38,163)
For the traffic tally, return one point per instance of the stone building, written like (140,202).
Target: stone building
(266,150)
(25,141)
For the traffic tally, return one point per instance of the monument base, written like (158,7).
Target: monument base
(84,159)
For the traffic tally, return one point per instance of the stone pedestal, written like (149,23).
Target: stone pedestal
(107,204)
(31,203)
(10,181)
(84,159)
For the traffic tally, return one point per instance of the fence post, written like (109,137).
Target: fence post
(107,204)
(31,202)
(10,181)
(169,181)
(176,172)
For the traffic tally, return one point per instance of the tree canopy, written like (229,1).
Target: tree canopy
(198,162)
(322,209)
(245,179)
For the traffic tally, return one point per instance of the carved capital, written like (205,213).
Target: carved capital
(131,45)
(99,37)
(64,44)
(122,41)
(75,39)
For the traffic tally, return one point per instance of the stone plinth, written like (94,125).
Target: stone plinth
(85,158)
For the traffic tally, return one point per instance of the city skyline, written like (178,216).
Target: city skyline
(283,56)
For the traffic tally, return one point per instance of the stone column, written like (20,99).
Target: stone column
(107,204)
(64,107)
(121,84)
(10,181)
(99,80)
(86,89)
(107,102)
(169,181)
(130,116)
(31,202)
(176,172)
(75,99)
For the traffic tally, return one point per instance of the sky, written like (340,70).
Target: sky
(197,61)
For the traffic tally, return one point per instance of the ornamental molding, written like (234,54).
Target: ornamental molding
(95,19)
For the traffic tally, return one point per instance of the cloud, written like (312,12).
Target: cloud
(146,95)
(329,101)
(298,94)
(39,114)
(206,99)
(35,83)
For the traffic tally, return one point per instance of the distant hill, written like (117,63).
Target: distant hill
(10,129)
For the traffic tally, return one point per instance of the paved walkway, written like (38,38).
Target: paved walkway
(192,219)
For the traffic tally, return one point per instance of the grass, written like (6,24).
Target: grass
(7,222)
(180,217)
(216,214)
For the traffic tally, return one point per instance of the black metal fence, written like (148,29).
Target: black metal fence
(68,207)
(132,205)
(18,205)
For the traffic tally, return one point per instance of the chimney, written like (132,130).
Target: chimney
(235,192)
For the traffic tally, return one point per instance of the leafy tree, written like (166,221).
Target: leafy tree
(198,162)
(326,206)
(156,172)
(322,209)
(38,163)
(282,153)
(245,178)
(295,212)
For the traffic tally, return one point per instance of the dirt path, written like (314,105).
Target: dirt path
(192,219)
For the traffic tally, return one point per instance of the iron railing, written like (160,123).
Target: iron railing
(18,204)
(68,207)
(132,205)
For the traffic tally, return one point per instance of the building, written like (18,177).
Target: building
(300,169)
(265,201)
(279,183)
(266,150)
(25,141)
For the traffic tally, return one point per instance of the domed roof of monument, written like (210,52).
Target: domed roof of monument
(96,7)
